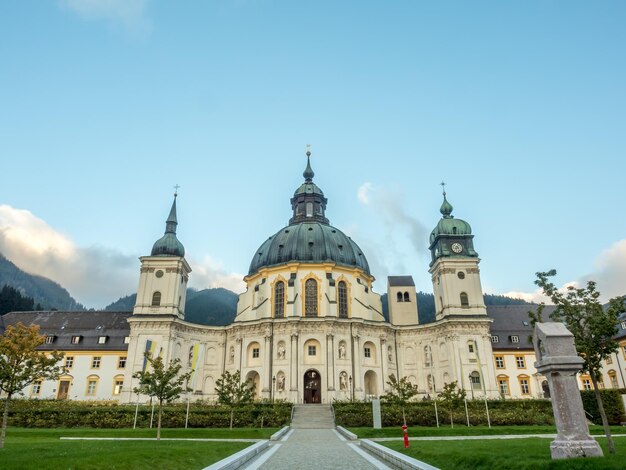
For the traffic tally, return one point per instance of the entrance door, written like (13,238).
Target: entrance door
(64,388)
(312,388)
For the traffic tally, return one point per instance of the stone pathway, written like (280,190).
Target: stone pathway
(318,449)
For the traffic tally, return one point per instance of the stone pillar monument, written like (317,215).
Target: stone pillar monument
(559,363)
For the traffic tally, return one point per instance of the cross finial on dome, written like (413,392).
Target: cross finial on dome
(308,172)
(446,207)
(176,190)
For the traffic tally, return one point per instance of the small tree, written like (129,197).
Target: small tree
(232,392)
(451,398)
(592,325)
(21,363)
(400,392)
(162,382)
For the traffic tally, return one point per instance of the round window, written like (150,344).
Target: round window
(461,275)
(159,273)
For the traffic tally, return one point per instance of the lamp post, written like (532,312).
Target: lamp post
(351,389)
(273,388)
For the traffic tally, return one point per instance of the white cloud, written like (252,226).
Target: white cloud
(363,192)
(387,205)
(609,275)
(95,276)
(130,14)
(209,273)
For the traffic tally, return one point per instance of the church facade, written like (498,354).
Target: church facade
(309,328)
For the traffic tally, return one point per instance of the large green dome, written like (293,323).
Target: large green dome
(309,242)
(309,238)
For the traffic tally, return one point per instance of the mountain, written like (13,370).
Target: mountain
(42,290)
(214,307)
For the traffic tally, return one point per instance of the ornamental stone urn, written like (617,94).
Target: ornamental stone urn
(559,362)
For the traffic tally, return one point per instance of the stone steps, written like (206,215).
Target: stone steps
(312,417)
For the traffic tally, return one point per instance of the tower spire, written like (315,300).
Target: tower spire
(172,221)
(446,207)
(308,172)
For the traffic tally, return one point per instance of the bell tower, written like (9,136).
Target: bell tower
(164,274)
(454,267)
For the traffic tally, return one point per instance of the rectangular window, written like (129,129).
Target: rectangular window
(521,363)
(102,339)
(255,352)
(117,387)
(524,386)
(504,386)
(470,348)
(499,362)
(75,339)
(367,352)
(312,350)
(95,362)
(587,384)
(121,362)
(126,339)
(92,384)
(495,339)
(50,339)
(69,362)
(514,338)
(36,390)
(609,360)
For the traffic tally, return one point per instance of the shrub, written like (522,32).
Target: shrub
(94,414)
(613,405)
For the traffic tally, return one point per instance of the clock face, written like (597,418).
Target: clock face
(457,247)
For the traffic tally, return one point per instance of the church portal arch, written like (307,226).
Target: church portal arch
(312,386)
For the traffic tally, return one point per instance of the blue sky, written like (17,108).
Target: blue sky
(107,104)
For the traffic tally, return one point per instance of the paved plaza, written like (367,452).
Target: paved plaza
(317,449)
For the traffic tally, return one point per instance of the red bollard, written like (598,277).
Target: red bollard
(406,436)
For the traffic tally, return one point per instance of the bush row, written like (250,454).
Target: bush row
(501,412)
(52,413)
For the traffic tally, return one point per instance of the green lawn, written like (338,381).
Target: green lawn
(460,430)
(32,448)
(514,454)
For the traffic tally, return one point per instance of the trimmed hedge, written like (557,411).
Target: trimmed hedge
(53,413)
(501,412)
(612,402)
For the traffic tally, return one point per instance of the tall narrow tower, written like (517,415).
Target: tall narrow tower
(164,274)
(454,267)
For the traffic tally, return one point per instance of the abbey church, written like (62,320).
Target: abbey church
(309,328)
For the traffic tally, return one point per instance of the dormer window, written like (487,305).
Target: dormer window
(76,339)
(102,339)
(50,339)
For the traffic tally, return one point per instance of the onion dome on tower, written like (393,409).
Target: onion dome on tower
(168,244)
(451,237)
(309,238)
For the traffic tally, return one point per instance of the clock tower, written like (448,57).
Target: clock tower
(454,267)
(164,274)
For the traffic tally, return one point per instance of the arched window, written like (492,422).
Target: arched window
(310,298)
(475,380)
(406,297)
(399,296)
(464,300)
(342,299)
(279,299)
(156,299)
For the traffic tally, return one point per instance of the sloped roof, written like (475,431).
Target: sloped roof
(399,281)
(90,326)
(513,320)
